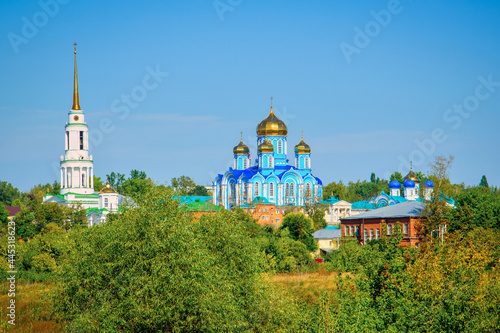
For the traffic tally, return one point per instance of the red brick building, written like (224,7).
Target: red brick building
(382,222)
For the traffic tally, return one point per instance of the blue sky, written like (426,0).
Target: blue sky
(369,110)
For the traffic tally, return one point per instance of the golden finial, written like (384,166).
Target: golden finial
(302,135)
(411,165)
(241,136)
(76,102)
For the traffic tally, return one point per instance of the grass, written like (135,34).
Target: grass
(33,308)
(308,286)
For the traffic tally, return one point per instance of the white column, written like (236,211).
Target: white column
(91,178)
(62,178)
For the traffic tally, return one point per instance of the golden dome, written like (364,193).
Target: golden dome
(302,147)
(413,176)
(107,189)
(241,149)
(271,126)
(266,147)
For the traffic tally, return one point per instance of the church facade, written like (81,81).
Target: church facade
(77,169)
(271,177)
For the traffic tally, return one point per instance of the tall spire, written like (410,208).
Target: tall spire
(76,102)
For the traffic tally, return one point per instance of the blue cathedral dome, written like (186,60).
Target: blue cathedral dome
(409,183)
(428,183)
(395,184)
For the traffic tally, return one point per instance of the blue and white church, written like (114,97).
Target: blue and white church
(271,176)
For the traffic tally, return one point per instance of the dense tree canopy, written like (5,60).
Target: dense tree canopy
(152,269)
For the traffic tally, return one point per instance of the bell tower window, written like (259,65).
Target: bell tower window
(81,139)
(67,140)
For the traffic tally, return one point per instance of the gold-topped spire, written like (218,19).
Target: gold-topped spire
(76,102)
(302,137)
(271,125)
(241,148)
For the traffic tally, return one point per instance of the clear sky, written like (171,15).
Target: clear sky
(373,84)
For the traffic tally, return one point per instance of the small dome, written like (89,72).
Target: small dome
(413,176)
(107,189)
(395,184)
(302,148)
(271,126)
(409,183)
(266,147)
(241,149)
(428,183)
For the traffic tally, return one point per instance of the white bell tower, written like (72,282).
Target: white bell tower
(77,167)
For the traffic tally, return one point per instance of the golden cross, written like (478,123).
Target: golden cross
(241,135)
(271,101)
(75,46)
(302,135)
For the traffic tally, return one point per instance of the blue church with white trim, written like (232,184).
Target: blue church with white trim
(270,177)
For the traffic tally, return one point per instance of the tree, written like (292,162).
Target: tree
(8,193)
(373,179)
(337,190)
(136,174)
(300,228)
(182,185)
(476,207)
(116,180)
(436,212)
(98,183)
(317,214)
(199,190)
(440,169)
(153,270)
(397,176)
(483,182)
(4,215)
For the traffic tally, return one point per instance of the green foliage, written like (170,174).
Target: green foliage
(8,193)
(4,215)
(98,183)
(32,220)
(356,191)
(182,185)
(199,190)
(476,207)
(153,269)
(483,182)
(300,228)
(317,214)
(116,180)
(397,176)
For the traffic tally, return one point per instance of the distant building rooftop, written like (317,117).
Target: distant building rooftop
(404,209)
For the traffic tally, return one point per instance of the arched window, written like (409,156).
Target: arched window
(271,190)
(271,164)
(83,180)
(256,189)
(292,192)
(301,162)
(280,147)
(307,162)
(105,202)
(308,191)
(245,161)
(287,191)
